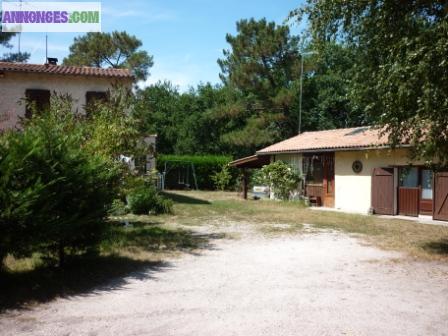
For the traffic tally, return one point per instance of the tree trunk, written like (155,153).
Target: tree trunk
(2,259)
(61,254)
(245,183)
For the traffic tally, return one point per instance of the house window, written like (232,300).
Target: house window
(292,160)
(313,169)
(93,97)
(36,101)
(140,164)
(409,177)
(427,184)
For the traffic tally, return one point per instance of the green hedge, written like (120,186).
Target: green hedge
(204,165)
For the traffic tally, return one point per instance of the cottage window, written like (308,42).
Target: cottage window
(292,160)
(313,169)
(140,164)
(94,97)
(409,177)
(427,184)
(36,101)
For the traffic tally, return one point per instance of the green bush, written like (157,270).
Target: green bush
(280,177)
(118,208)
(54,195)
(163,205)
(205,167)
(222,178)
(146,200)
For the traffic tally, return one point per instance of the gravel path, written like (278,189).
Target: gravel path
(323,283)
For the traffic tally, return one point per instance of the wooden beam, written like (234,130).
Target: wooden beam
(245,183)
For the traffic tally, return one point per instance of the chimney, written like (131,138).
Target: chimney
(52,61)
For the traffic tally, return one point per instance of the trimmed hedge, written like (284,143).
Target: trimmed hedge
(205,167)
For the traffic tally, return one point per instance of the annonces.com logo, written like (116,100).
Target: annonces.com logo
(51,16)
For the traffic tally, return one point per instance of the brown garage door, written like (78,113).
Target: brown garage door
(383,191)
(441,196)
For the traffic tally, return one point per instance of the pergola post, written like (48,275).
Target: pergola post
(245,183)
(250,162)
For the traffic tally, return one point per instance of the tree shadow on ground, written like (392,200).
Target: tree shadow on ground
(85,274)
(153,238)
(133,220)
(437,247)
(184,199)
(81,275)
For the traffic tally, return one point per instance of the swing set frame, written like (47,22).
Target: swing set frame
(188,165)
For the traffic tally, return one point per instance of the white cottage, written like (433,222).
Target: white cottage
(355,170)
(35,83)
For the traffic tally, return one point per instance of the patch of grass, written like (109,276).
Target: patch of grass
(24,264)
(186,199)
(437,247)
(275,229)
(140,237)
(417,240)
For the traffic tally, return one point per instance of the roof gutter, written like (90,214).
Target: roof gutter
(338,149)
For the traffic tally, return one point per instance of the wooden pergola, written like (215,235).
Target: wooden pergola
(250,162)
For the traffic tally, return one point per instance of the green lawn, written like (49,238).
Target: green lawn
(427,242)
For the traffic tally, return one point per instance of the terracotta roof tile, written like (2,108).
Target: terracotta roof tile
(65,70)
(358,137)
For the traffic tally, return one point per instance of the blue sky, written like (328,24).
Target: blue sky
(186,37)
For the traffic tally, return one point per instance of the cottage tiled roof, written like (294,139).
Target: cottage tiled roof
(65,70)
(337,139)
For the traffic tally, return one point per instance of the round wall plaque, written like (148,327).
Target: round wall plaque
(357,166)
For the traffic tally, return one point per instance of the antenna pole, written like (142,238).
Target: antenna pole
(20,34)
(46,48)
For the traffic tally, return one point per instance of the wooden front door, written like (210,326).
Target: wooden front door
(328,179)
(383,191)
(441,196)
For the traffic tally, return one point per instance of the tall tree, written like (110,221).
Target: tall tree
(186,123)
(326,88)
(400,75)
(156,109)
(115,50)
(262,64)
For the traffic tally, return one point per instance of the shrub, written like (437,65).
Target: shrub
(111,130)
(280,177)
(146,200)
(54,195)
(118,208)
(163,205)
(222,178)
(205,167)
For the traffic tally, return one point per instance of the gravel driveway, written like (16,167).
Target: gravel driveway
(323,283)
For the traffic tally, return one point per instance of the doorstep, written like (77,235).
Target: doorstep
(420,219)
(322,208)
